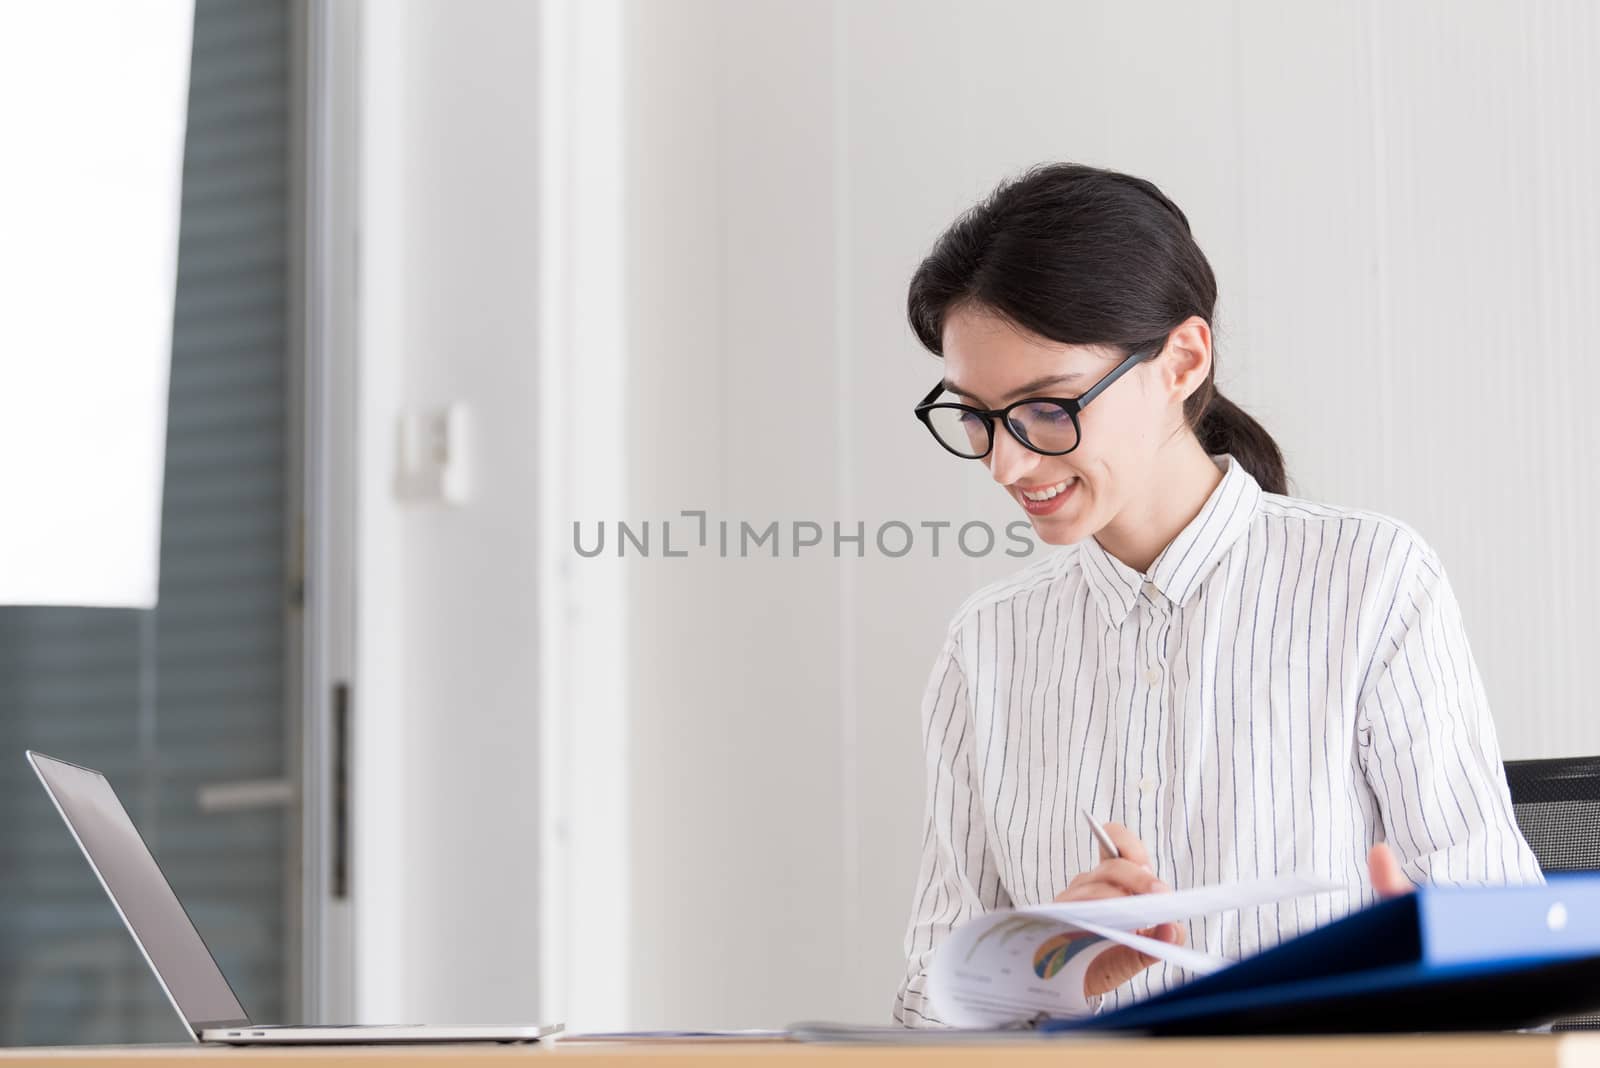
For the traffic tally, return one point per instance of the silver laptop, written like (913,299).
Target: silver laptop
(184,967)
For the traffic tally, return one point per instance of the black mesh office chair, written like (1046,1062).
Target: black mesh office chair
(1557,804)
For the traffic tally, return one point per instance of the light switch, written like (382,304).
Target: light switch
(432,463)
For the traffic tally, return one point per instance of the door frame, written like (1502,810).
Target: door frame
(325,71)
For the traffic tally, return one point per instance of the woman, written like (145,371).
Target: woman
(1245,683)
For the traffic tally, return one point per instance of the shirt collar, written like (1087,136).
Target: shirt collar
(1186,561)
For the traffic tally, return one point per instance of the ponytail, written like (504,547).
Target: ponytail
(1224,427)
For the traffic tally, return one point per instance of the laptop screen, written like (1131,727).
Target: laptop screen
(140,892)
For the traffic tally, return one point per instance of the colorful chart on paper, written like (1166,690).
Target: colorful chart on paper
(1053,954)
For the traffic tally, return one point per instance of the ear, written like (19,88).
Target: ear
(1187,359)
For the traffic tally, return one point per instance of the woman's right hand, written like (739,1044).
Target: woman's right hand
(1129,874)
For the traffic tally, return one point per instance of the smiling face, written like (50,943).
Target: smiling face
(1116,467)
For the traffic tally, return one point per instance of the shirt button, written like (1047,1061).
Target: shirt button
(1153,676)
(1150,591)
(1147,786)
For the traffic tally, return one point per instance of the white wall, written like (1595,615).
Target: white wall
(445,873)
(776,767)
(1395,197)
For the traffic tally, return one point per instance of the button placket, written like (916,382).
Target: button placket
(1149,783)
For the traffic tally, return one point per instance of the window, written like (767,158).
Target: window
(197,691)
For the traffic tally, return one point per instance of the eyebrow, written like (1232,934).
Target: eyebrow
(1036,384)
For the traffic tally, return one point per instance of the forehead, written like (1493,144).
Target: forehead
(990,354)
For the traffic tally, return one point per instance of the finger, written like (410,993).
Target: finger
(1120,876)
(1081,878)
(1128,844)
(1114,967)
(1131,877)
(1114,878)
(1091,891)
(1384,869)
(1172,933)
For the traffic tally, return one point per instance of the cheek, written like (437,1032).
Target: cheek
(1115,425)
(1096,496)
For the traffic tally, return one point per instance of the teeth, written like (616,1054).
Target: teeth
(1048,492)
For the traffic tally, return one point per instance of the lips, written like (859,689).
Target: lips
(1048,498)
(1044,493)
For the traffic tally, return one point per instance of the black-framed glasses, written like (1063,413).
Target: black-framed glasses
(1047,425)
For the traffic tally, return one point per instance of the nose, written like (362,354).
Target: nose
(1010,460)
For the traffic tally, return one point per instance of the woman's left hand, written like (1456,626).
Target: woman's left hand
(1387,878)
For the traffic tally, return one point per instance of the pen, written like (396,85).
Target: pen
(1101,836)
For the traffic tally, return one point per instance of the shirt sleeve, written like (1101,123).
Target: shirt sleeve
(1427,742)
(957,877)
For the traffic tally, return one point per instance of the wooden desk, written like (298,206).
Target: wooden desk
(1569,1050)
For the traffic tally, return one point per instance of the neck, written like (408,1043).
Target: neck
(1182,483)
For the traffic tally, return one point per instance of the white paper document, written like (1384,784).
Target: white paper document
(1013,964)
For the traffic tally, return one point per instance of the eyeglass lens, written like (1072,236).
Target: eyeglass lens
(1042,425)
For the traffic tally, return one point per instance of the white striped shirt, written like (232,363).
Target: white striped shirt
(1289,684)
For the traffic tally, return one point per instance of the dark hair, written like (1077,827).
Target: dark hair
(1086,256)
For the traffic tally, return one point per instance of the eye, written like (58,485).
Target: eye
(1045,412)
